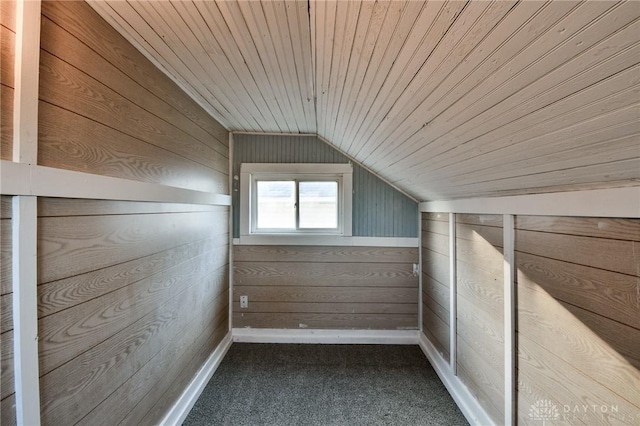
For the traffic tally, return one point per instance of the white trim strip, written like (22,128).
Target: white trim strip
(28,179)
(26,75)
(25,310)
(348,337)
(324,240)
(25,220)
(420,312)
(469,406)
(290,168)
(230,233)
(615,202)
(178,413)
(509,320)
(453,297)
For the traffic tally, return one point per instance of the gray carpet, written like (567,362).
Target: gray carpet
(267,384)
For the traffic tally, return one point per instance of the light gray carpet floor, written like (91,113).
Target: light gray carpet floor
(267,384)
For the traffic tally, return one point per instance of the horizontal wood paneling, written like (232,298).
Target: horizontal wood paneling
(81,21)
(117,360)
(325,287)
(7,83)
(480,303)
(181,371)
(578,310)
(7,395)
(324,274)
(6,122)
(100,326)
(436,280)
(116,124)
(7,385)
(8,14)
(8,411)
(327,295)
(145,385)
(75,245)
(324,254)
(8,42)
(378,210)
(125,289)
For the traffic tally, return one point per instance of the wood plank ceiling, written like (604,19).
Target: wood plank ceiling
(444,99)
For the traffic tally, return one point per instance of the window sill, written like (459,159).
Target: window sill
(324,240)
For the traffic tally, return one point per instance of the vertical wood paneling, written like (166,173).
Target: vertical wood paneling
(578,318)
(480,327)
(325,287)
(435,280)
(378,209)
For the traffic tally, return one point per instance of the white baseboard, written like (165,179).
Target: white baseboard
(184,404)
(469,406)
(354,337)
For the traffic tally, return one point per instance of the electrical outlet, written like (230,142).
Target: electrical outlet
(244,301)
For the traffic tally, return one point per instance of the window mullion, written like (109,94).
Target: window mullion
(297,206)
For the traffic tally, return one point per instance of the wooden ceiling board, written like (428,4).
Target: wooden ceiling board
(446,99)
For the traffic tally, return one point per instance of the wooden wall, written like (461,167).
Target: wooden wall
(480,327)
(579,318)
(378,209)
(578,314)
(105,109)
(436,280)
(132,296)
(7,392)
(7,41)
(325,287)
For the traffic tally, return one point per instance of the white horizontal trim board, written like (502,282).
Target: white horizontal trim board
(614,202)
(324,240)
(30,179)
(469,406)
(184,404)
(347,337)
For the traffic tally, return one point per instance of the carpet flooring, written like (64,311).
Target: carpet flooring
(269,384)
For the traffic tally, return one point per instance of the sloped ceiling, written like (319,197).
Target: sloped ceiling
(444,99)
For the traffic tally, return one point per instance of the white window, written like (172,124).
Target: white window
(295,199)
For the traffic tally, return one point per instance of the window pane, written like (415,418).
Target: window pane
(318,204)
(276,204)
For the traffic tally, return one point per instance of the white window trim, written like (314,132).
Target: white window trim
(248,174)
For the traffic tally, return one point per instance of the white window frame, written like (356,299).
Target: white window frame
(250,173)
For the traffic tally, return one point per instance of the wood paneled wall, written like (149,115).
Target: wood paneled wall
(7,41)
(132,296)
(480,326)
(105,109)
(436,280)
(579,318)
(7,46)
(325,287)
(7,392)
(578,314)
(379,210)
